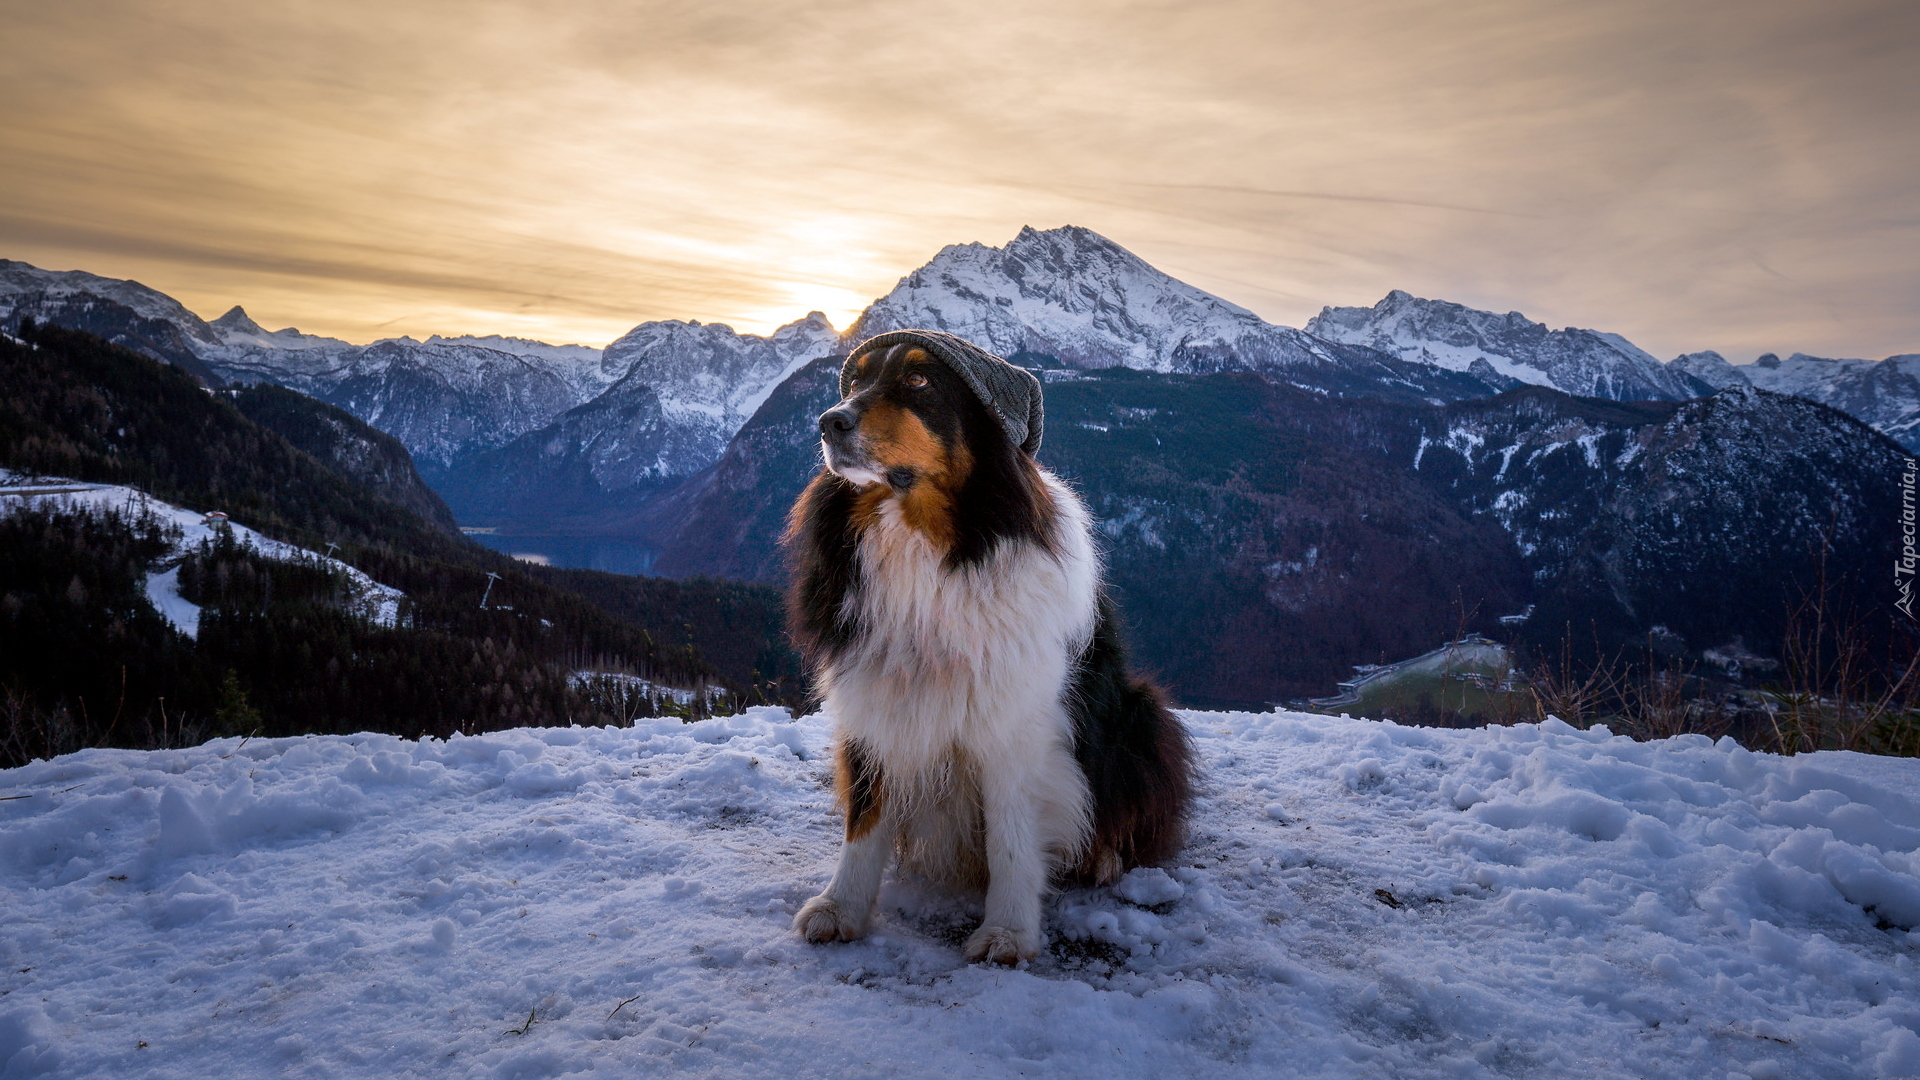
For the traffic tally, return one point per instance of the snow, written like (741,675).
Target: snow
(1807,376)
(163,592)
(187,530)
(1883,393)
(18,279)
(1360,899)
(1457,337)
(1074,295)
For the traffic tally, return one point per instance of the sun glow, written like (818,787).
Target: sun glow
(813,265)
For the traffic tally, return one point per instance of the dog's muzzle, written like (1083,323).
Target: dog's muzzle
(840,442)
(838,424)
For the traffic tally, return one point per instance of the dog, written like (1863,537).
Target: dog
(947,595)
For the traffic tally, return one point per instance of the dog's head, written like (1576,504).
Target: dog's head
(904,424)
(910,431)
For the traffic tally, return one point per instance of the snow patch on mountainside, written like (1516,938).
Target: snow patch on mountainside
(186,530)
(1359,899)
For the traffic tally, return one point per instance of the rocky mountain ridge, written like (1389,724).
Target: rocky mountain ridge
(519,431)
(1071,297)
(1884,393)
(1459,338)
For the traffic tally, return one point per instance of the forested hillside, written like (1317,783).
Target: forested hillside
(347,445)
(1263,538)
(277,650)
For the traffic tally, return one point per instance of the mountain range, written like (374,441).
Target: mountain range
(1511,346)
(1276,503)
(660,403)
(1884,393)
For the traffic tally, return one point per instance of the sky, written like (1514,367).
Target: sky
(1740,175)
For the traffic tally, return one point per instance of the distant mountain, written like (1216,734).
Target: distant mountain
(1707,517)
(688,388)
(126,313)
(1071,297)
(1709,368)
(1884,393)
(561,424)
(443,398)
(1583,362)
(18,279)
(659,403)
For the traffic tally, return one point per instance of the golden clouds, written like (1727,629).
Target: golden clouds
(1729,175)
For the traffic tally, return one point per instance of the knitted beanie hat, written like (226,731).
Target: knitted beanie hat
(1010,393)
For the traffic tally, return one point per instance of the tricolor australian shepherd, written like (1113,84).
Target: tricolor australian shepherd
(947,594)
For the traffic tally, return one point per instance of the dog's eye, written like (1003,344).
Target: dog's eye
(916,380)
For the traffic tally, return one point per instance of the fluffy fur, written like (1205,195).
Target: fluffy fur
(947,594)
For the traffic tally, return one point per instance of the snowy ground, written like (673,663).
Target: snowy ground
(379,603)
(1361,899)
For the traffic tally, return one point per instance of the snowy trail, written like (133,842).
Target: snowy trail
(1360,899)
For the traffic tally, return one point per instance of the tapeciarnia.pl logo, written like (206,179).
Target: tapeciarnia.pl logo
(1903,567)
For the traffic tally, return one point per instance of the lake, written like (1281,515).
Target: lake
(576,552)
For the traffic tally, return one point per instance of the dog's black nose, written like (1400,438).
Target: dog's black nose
(836,423)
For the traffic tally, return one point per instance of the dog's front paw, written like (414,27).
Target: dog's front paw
(1002,946)
(821,919)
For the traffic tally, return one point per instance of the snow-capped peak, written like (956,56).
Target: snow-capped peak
(1069,293)
(1586,362)
(711,370)
(236,321)
(1710,368)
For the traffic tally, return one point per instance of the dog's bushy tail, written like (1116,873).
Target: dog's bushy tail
(1137,757)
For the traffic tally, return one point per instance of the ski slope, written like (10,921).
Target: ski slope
(1359,900)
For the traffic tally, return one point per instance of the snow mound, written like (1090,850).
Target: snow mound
(1359,899)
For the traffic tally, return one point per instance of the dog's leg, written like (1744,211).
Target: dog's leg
(841,912)
(1016,868)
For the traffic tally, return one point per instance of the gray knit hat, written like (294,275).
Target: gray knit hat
(1010,393)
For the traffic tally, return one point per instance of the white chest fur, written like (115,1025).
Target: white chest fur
(960,672)
(976,657)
